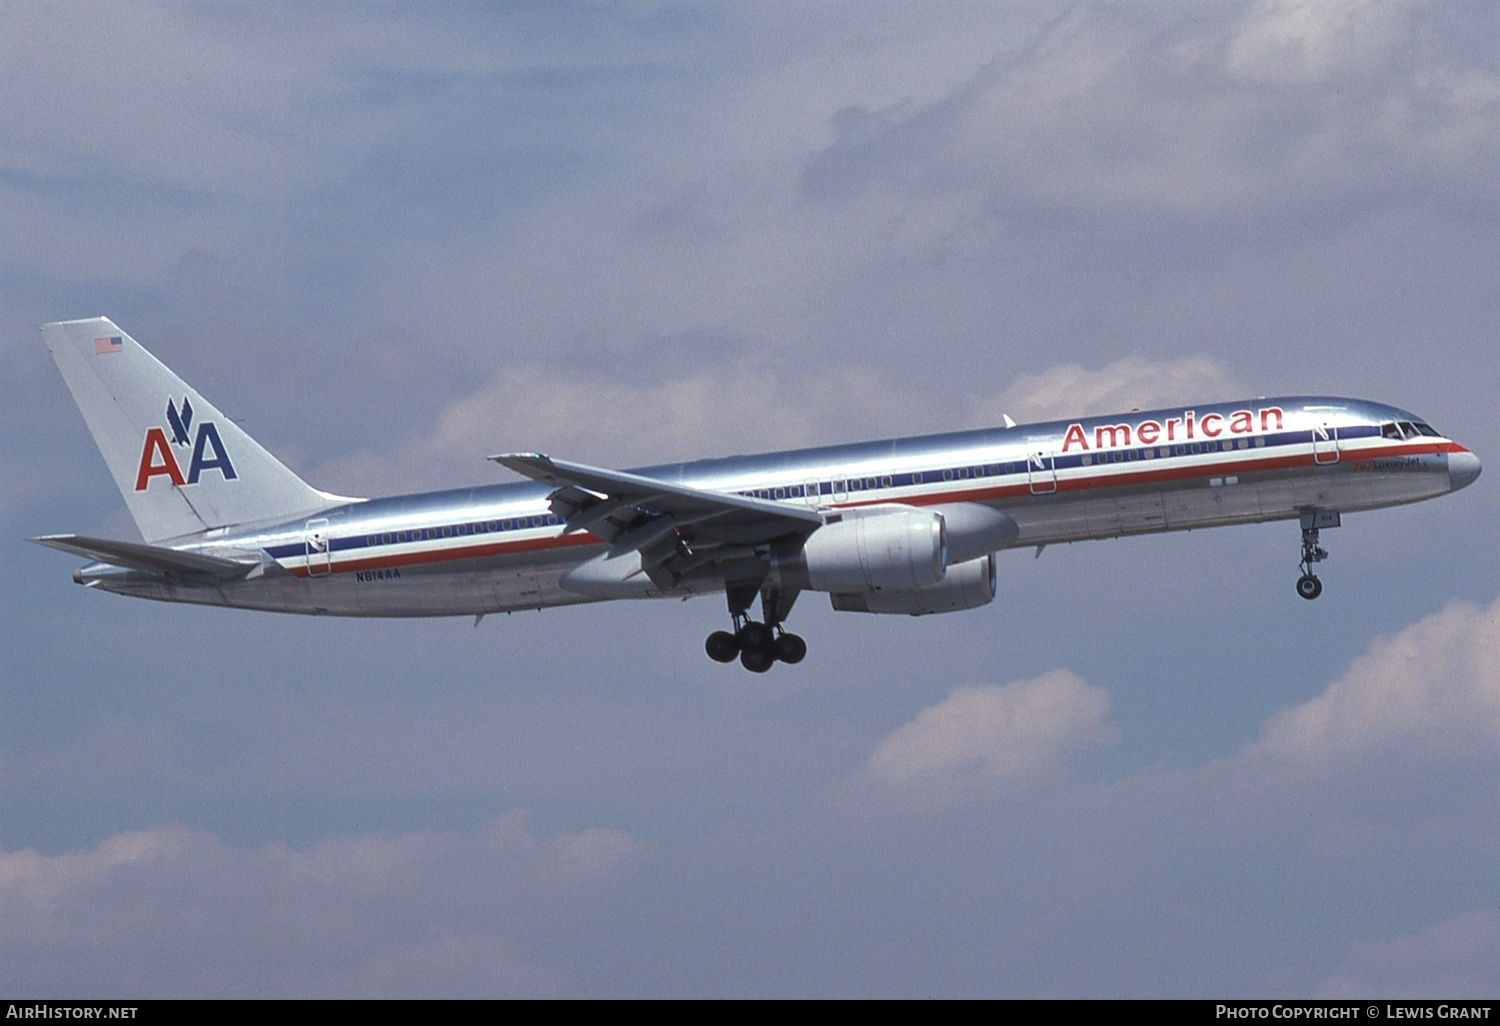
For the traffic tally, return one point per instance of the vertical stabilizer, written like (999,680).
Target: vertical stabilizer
(182,466)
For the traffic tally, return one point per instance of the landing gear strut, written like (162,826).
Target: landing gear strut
(1308,585)
(758,644)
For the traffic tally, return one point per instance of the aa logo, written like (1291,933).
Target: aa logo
(157,458)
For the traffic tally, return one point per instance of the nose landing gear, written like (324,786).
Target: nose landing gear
(1308,585)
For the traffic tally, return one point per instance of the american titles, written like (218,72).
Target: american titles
(1187,428)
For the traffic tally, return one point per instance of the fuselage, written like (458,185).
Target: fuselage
(502,547)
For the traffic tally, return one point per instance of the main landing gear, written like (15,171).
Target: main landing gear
(1308,585)
(758,644)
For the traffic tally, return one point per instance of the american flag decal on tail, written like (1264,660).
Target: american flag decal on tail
(107,345)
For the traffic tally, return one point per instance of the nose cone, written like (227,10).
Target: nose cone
(1463,468)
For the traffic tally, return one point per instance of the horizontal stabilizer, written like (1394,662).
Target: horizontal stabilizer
(135,556)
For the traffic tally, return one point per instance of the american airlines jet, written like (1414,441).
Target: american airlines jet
(908,525)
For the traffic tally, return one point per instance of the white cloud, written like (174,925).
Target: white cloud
(175,911)
(995,736)
(1303,827)
(1298,101)
(736,407)
(1295,41)
(1451,960)
(1130,383)
(1430,691)
(715,411)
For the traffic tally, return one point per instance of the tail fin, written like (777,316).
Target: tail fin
(182,466)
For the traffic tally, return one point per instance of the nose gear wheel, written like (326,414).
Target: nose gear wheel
(1308,585)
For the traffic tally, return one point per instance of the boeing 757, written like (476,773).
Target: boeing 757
(903,526)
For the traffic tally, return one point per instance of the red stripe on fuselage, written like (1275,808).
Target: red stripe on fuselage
(448,555)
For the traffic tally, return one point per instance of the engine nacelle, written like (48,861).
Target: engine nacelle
(975,529)
(966,586)
(874,550)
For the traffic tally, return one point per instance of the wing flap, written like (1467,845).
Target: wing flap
(675,528)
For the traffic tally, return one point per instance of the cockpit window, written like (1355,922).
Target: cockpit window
(1406,429)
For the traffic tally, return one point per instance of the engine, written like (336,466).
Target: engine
(965,586)
(875,551)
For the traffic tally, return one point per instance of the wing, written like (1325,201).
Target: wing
(675,528)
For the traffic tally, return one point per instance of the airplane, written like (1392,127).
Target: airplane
(902,526)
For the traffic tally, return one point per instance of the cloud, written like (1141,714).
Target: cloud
(714,411)
(176,912)
(733,407)
(1133,382)
(998,737)
(1299,41)
(1295,102)
(1454,959)
(1359,830)
(1430,691)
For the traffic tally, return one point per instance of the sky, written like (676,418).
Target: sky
(390,240)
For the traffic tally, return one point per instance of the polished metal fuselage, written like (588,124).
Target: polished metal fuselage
(500,548)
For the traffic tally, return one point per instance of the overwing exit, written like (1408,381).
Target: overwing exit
(909,525)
